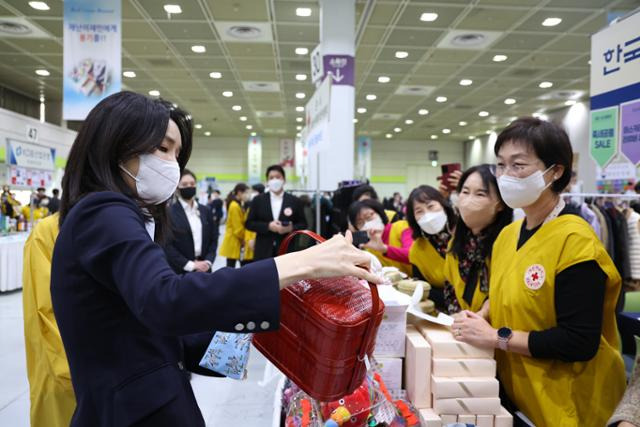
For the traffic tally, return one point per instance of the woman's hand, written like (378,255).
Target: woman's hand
(473,329)
(375,242)
(334,258)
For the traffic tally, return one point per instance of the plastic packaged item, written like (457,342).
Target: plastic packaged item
(428,307)
(408,286)
(327,333)
(303,412)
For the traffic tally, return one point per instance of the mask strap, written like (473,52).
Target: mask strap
(128,173)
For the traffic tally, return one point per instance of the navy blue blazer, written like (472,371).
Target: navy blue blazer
(123,315)
(181,248)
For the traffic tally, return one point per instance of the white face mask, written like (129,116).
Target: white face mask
(522,192)
(375,224)
(433,222)
(275,185)
(157,179)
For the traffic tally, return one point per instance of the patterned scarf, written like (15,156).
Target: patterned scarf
(439,241)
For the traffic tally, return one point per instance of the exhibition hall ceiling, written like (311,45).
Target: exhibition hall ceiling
(425,70)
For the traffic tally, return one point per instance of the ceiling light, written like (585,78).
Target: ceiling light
(500,58)
(423,112)
(483,113)
(428,17)
(462,123)
(43,73)
(303,11)
(302,51)
(441,99)
(198,48)
(154,92)
(198,126)
(301,77)
(472,137)
(401,54)
(39,5)
(300,95)
(388,136)
(551,22)
(384,79)
(434,136)
(298,135)
(509,101)
(253,134)
(249,127)
(207,133)
(397,130)
(446,131)
(227,94)
(243,118)
(298,127)
(215,75)
(299,119)
(299,109)
(489,132)
(570,103)
(408,122)
(466,82)
(236,108)
(174,9)
(371,97)
(130,74)
(355,120)
(361,110)
(545,85)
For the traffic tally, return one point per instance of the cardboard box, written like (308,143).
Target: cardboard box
(504,419)
(464,368)
(468,406)
(467,419)
(484,421)
(449,419)
(447,387)
(391,372)
(390,341)
(428,418)
(417,374)
(445,346)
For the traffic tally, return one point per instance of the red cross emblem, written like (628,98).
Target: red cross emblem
(534,277)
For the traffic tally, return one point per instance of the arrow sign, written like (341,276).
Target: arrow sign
(337,77)
(340,68)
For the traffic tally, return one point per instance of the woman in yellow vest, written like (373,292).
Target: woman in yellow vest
(250,236)
(234,235)
(50,389)
(432,221)
(389,242)
(553,291)
(483,215)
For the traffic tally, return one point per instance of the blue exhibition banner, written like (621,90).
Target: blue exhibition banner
(92,59)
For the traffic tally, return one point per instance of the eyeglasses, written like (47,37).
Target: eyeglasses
(515,169)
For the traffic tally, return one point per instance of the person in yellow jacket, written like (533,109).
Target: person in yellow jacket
(483,215)
(250,236)
(233,243)
(432,221)
(389,242)
(51,392)
(553,291)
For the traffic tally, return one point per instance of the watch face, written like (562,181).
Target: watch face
(504,332)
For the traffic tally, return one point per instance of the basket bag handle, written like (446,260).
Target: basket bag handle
(375,298)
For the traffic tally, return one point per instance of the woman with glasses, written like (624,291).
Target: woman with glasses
(552,293)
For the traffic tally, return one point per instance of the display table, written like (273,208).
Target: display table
(11,255)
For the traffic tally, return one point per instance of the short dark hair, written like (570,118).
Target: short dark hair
(41,189)
(55,191)
(258,187)
(188,172)
(548,141)
(277,168)
(362,190)
(503,218)
(217,191)
(425,194)
(356,207)
(122,126)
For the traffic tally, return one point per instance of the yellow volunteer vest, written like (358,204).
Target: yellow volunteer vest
(50,389)
(248,236)
(395,240)
(234,232)
(390,214)
(452,275)
(521,295)
(427,259)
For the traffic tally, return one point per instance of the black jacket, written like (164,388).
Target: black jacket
(181,248)
(260,215)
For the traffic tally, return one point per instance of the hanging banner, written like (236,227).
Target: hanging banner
(27,155)
(317,117)
(603,144)
(254,160)
(92,57)
(630,130)
(301,161)
(363,165)
(287,155)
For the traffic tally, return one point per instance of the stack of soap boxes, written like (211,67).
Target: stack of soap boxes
(390,344)
(450,381)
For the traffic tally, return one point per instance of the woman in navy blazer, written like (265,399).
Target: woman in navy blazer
(129,324)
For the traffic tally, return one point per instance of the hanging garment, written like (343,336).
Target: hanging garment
(633,224)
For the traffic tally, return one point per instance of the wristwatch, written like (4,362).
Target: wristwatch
(504,335)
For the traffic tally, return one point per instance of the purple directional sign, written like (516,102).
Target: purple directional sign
(630,130)
(340,67)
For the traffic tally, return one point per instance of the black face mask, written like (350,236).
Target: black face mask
(187,193)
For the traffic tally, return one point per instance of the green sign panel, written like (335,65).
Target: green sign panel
(603,144)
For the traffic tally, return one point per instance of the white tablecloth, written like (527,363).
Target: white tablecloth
(11,249)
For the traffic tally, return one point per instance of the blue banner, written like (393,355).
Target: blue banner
(92,63)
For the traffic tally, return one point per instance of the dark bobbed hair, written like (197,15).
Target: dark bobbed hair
(233,195)
(547,140)
(362,190)
(425,194)
(277,168)
(503,218)
(55,191)
(122,126)
(356,207)
(188,172)
(259,188)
